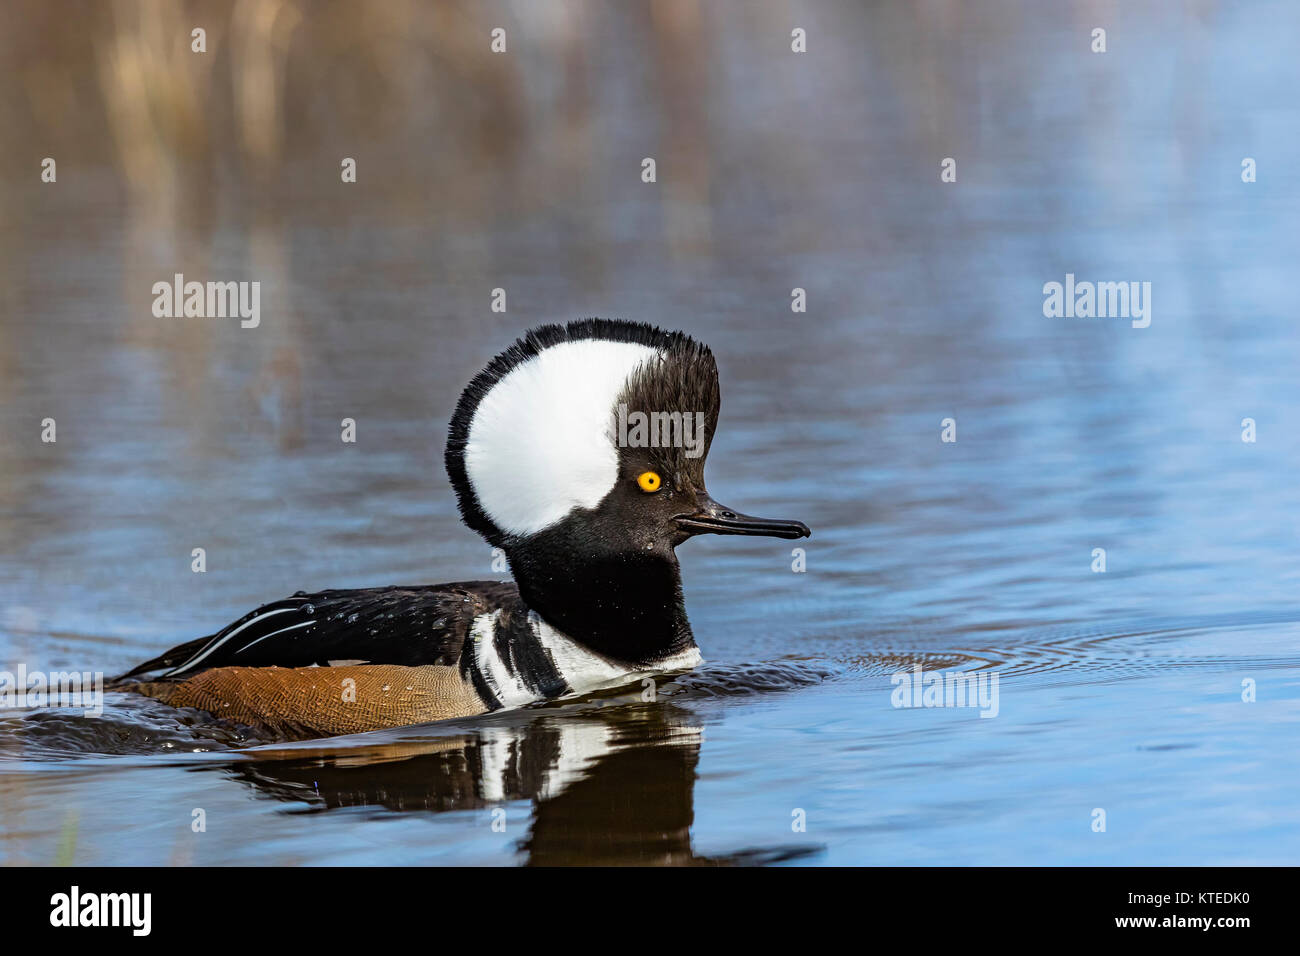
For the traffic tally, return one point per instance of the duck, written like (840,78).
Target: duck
(588,513)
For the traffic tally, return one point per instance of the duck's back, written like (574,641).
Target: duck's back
(339,661)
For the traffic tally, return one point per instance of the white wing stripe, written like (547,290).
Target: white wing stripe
(291,627)
(208,650)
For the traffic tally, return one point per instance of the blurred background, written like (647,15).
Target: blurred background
(775,170)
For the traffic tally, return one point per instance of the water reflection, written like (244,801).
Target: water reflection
(614,786)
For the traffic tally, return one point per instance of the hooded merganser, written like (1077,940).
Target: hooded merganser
(543,468)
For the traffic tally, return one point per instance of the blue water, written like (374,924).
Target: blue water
(1119,691)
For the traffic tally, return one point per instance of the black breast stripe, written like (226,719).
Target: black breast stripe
(523,655)
(470,671)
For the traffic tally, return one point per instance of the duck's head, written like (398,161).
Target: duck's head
(580,452)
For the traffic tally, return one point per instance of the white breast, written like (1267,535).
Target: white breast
(583,670)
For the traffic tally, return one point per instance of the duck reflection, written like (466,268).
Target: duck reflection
(609,785)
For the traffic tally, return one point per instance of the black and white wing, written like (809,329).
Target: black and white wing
(395,625)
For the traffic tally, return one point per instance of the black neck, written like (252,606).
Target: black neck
(625,606)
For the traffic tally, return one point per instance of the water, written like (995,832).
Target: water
(1120,691)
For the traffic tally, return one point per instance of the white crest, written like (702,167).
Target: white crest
(541,442)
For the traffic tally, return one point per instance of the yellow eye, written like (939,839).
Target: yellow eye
(649,481)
